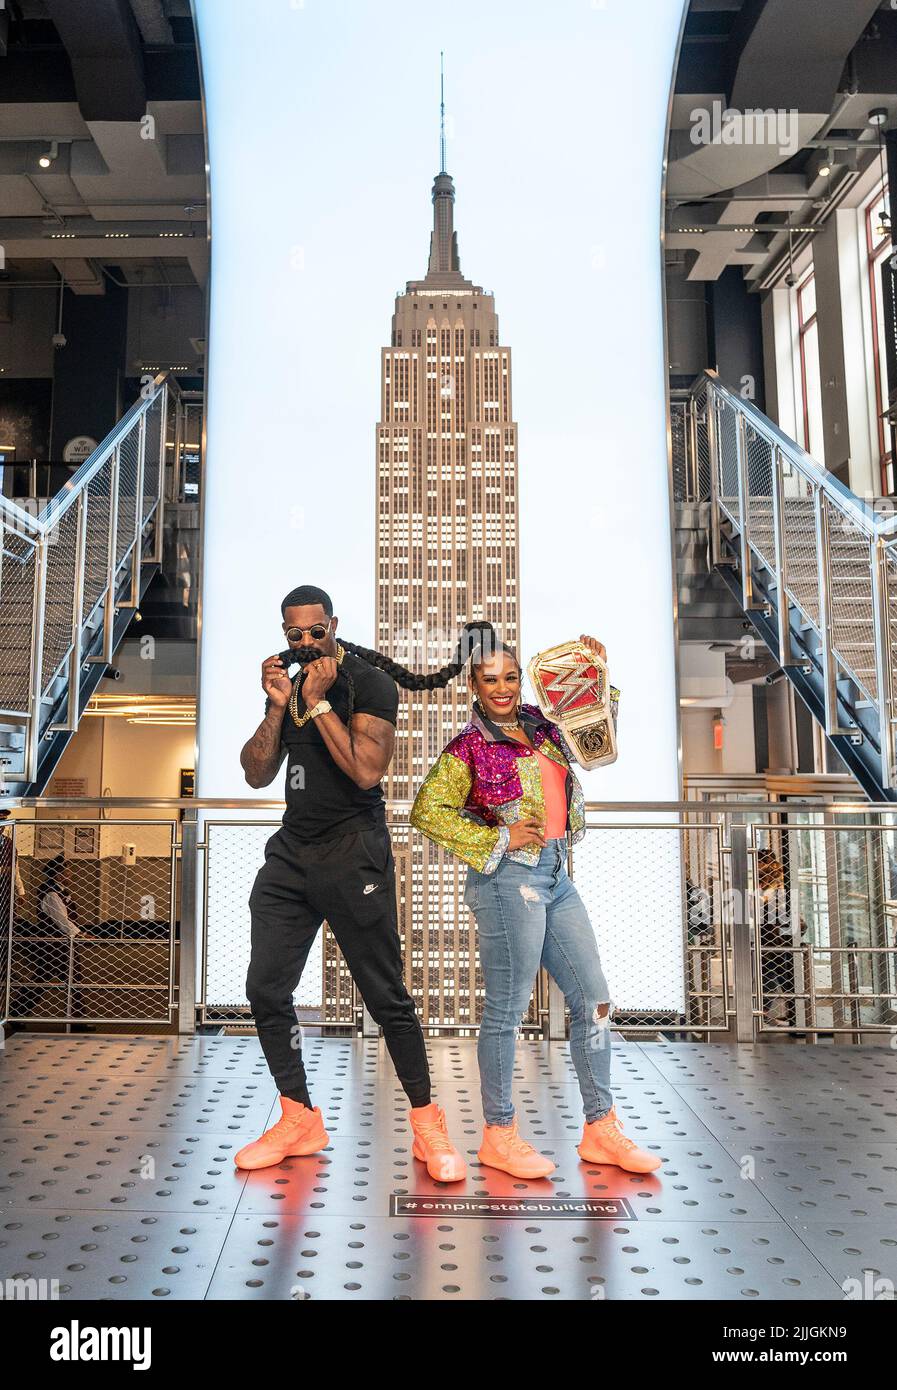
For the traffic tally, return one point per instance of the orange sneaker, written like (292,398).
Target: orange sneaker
(603,1141)
(433,1146)
(503,1148)
(298,1131)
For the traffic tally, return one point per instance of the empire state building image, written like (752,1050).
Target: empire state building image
(447,552)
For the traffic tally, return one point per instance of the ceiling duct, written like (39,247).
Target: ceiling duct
(787,57)
(152,21)
(103,44)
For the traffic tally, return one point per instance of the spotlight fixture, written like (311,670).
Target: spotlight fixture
(46,159)
(877,117)
(824,164)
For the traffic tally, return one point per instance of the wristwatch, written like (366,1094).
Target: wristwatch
(320,708)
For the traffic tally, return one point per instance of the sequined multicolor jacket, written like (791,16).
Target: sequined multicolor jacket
(483,781)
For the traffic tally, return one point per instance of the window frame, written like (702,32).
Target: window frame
(803,328)
(875,252)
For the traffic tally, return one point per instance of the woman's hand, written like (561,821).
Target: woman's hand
(526,832)
(594,645)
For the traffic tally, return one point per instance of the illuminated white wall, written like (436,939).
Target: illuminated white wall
(322,123)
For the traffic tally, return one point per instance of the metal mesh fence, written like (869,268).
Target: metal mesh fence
(727,459)
(760,460)
(48,582)
(679,412)
(17,564)
(91,934)
(804,941)
(801,549)
(890,596)
(127,494)
(853,636)
(701,407)
(62,560)
(155,418)
(438,935)
(825,926)
(655,897)
(234,854)
(96,547)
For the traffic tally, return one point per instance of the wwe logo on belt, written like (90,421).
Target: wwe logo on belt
(573,691)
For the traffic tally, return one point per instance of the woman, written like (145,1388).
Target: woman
(503,796)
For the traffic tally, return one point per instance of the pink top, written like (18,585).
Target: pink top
(554,792)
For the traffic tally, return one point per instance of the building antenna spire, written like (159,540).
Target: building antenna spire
(441,112)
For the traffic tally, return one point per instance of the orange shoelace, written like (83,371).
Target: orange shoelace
(616,1136)
(434,1134)
(514,1141)
(285,1123)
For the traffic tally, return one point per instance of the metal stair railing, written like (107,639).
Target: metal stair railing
(74,565)
(814,541)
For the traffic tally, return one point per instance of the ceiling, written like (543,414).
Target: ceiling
(735,187)
(110,92)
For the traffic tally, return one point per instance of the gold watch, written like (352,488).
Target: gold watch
(320,708)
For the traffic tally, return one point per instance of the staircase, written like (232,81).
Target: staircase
(71,578)
(811,566)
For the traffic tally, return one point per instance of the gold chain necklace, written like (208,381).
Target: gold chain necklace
(300,719)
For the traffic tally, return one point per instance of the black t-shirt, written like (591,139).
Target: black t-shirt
(321,799)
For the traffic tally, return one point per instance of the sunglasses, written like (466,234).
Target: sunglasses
(318,631)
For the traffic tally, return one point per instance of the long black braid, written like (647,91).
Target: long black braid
(478,641)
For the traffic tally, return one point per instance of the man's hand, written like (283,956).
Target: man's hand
(320,677)
(526,832)
(594,645)
(275,682)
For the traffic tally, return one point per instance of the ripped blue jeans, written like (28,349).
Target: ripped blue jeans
(527,917)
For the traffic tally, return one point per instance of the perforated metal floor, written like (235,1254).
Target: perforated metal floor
(779,1175)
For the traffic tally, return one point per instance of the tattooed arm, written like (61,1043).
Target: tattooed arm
(262,755)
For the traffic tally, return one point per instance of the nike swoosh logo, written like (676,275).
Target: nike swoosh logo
(369,887)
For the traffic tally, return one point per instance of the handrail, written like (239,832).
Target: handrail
(721,968)
(823,802)
(52,512)
(66,573)
(12,514)
(804,462)
(825,553)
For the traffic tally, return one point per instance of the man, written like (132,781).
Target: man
(55,905)
(332,859)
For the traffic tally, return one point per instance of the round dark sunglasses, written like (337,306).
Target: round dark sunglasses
(318,631)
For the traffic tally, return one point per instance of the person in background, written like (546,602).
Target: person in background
(56,910)
(777,970)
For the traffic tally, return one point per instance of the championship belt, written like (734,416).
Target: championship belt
(573,690)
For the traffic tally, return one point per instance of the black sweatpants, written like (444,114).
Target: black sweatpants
(349,881)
